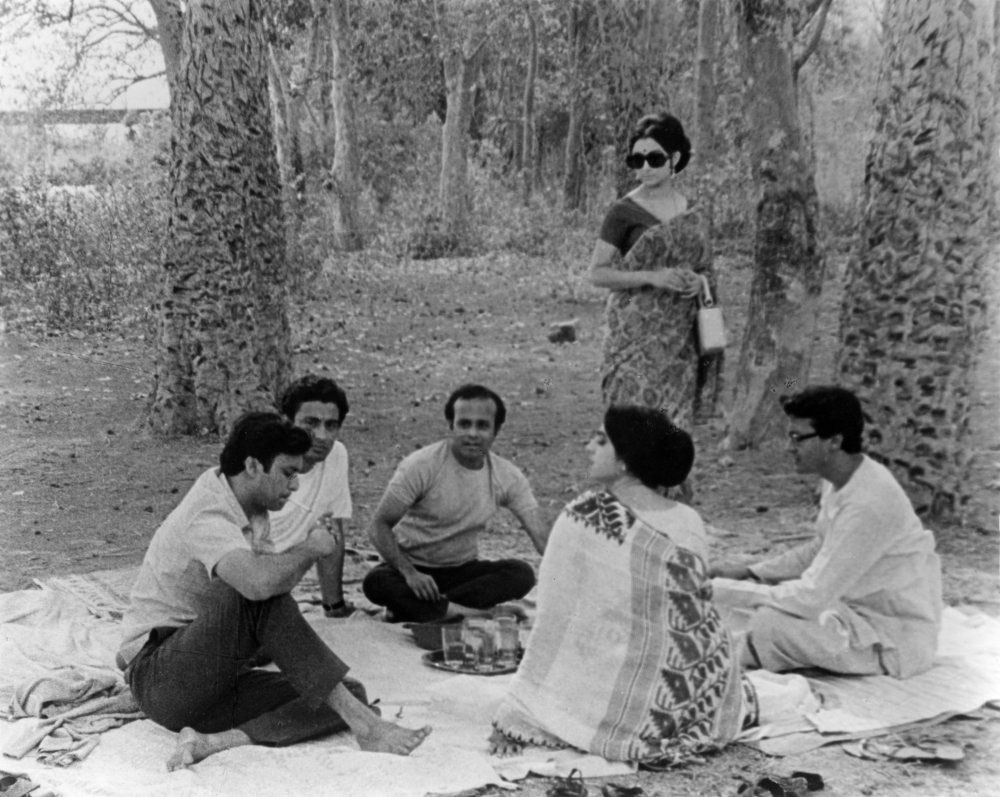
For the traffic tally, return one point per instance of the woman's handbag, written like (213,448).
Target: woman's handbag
(711,329)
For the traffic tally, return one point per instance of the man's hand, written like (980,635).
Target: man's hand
(423,586)
(737,572)
(321,541)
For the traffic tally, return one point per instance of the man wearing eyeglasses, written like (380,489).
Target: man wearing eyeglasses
(318,406)
(864,595)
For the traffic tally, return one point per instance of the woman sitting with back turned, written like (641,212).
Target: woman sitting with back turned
(628,658)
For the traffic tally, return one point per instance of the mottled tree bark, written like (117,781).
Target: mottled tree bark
(788,262)
(224,334)
(462,59)
(710,369)
(169,27)
(343,174)
(913,308)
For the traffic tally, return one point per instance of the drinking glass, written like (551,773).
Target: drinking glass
(506,641)
(452,644)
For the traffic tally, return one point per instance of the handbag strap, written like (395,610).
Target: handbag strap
(705,299)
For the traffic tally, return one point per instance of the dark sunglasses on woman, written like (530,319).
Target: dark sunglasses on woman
(654,159)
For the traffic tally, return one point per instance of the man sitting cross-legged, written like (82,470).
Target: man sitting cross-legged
(864,596)
(207,604)
(428,522)
(319,406)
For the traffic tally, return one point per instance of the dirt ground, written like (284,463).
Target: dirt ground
(83,485)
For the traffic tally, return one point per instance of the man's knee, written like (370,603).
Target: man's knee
(356,688)
(381,583)
(518,575)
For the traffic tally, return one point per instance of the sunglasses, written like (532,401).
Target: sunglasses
(797,438)
(654,159)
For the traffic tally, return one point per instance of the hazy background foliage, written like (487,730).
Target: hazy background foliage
(89,260)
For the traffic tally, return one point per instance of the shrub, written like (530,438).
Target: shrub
(80,262)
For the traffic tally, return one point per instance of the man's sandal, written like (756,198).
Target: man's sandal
(569,786)
(13,785)
(798,784)
(339,610)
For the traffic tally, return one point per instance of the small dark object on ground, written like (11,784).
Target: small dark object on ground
(563,331)
(798,784)
(428,635)
(570,786)
(617,790)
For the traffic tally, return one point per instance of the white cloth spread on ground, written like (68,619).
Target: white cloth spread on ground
(58,677)
(628,658)
(45,631)
(323,490)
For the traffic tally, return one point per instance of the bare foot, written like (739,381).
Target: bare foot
(386,737)
(193,747)
(501,745)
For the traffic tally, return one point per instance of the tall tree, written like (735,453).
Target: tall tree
(462,36)
(580,16)
(224,336)
(913,308)
(788,262)
(529,139)
(343,174)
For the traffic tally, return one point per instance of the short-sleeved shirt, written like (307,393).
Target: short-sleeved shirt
(450,505)
(323,490)
(179,567)
(624,224)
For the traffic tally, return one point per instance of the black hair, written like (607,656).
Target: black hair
(656,451)
(261,435)
(313,388)
(830,410)
(469,392)
(668,132)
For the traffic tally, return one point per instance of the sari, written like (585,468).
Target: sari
(650,348)
(628,658)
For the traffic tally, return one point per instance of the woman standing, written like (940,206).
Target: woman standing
(628,657)
(649,254)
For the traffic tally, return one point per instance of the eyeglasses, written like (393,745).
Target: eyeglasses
(797,437)
(654,159)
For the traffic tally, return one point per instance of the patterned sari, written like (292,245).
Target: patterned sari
(650,349)
(628,658)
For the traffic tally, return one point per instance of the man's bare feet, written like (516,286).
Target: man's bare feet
(386,737)
(193,747)
(501,745)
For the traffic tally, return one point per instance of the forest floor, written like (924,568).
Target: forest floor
(83,486)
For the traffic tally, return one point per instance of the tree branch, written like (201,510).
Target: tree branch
(813,43)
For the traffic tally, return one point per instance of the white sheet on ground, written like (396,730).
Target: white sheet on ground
(50,631)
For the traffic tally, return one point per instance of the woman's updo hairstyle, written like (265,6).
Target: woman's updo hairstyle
(668,132)
(654,450)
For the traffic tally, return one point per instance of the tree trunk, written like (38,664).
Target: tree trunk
(528,137)
(461,71)
(580,13)
(169,28)
(788,263)
(286,114)
(710,369)
(913,308)
(224,335)
(343,174)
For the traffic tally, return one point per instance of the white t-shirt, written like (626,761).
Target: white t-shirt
(449,505)
(179,567)
(324,490)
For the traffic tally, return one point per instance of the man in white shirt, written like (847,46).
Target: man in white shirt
(440,499)
(319,406)
(864,596)
(209,600)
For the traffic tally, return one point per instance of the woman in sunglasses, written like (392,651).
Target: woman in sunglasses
(649,253)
